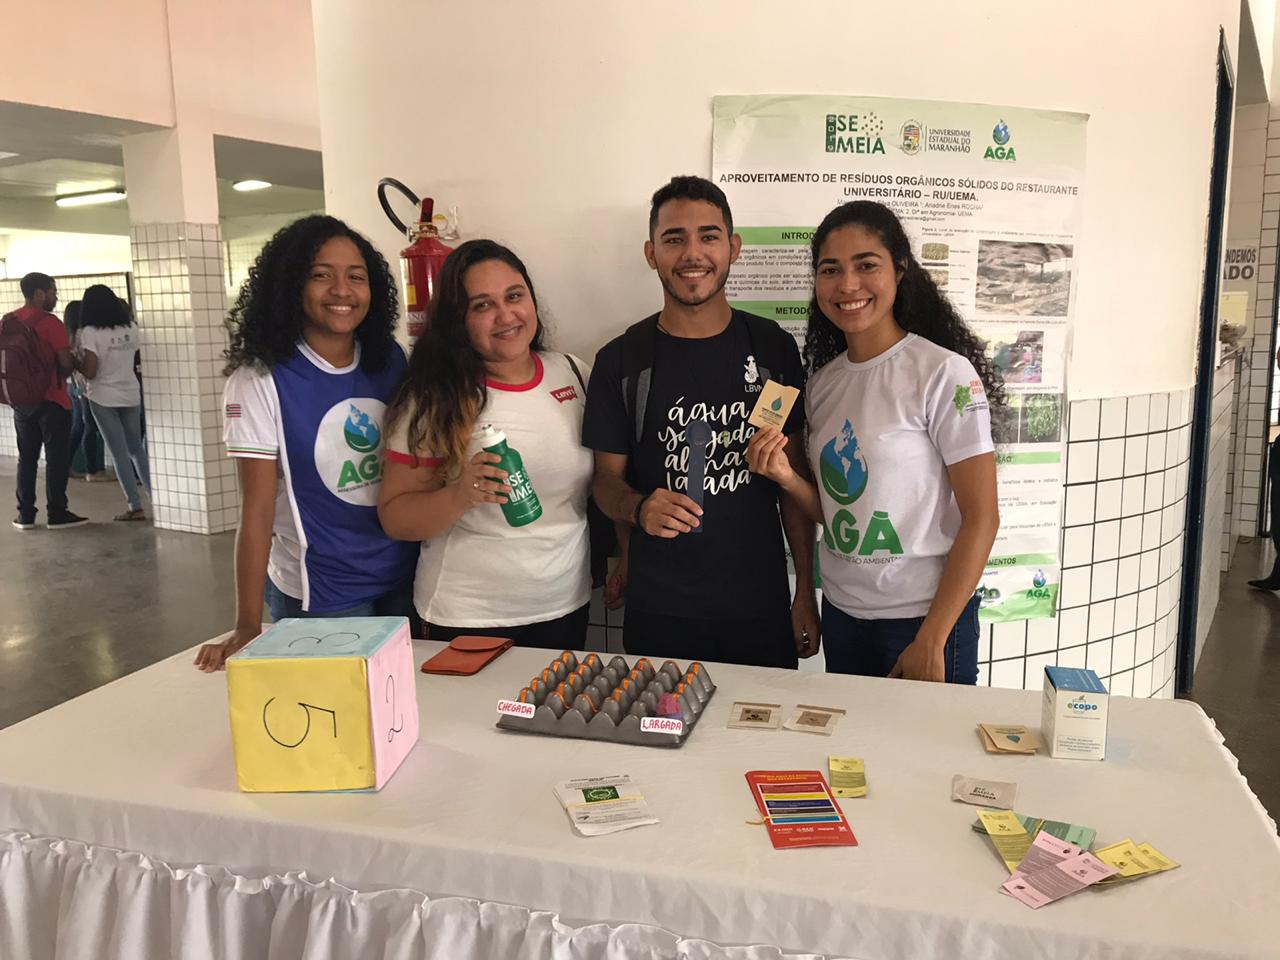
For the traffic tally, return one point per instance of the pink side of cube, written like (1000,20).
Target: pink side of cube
(393,703)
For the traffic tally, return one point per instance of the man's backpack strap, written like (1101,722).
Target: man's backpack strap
(637,372)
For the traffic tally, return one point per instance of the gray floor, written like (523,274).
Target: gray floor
(85,606)
(1238,679)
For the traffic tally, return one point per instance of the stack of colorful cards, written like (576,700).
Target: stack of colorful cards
(799,810)
(1053,869)
(1073,833)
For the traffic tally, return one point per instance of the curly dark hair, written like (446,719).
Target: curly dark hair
(266,322)
(919,306)
(444,390)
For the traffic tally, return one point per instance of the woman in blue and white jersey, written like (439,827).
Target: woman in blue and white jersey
(311,366)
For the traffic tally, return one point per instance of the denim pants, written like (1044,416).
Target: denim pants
(870,648)
(121,428)
(86,441)
(47,425)
(397,603)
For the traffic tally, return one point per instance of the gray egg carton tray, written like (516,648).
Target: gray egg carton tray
(573,721)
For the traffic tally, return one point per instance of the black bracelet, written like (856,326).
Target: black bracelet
(635,514)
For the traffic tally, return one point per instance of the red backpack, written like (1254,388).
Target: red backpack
(26,363)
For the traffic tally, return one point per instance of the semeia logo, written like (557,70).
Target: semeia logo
(360,432)
(844,474)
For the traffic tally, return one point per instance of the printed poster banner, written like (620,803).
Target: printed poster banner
(990,198)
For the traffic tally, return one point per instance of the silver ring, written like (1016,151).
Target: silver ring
(476,484)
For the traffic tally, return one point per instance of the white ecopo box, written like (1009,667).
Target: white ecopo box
(1073,717)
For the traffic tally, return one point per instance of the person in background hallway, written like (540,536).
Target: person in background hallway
(1272,582)
(106,343)
(312,364)
(47,424)
(86,442)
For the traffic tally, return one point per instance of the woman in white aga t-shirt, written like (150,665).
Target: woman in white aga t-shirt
(481,363)
(108,341)
(899,439)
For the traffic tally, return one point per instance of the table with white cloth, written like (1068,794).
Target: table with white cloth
(123,834)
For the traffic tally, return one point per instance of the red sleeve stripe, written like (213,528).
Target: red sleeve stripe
(409,460)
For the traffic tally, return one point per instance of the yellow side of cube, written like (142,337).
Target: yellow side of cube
(301,724)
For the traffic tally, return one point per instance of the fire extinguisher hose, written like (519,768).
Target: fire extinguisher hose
(386,206)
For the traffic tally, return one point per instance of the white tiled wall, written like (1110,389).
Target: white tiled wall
(1123,520)
(1249,460)
(69,288)
(181,304)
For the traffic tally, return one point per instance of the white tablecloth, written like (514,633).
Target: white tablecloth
(123,834)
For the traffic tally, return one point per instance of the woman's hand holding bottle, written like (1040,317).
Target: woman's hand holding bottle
(481,482)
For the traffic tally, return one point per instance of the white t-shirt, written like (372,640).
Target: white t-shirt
(115,385)
(251,429)
(483,572)
(881,435)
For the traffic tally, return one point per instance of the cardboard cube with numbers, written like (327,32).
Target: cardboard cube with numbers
(323,704)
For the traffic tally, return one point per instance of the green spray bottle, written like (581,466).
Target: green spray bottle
(522,506)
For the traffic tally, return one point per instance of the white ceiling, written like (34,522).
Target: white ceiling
(59,152)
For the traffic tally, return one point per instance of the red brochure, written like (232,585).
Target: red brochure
(799,810)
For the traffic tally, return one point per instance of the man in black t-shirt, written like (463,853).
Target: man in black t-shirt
(666,415)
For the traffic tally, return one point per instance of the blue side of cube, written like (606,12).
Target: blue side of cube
(1075,679)
(323,637)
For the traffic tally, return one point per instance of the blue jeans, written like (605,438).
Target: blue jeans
(870,648)
(86,441)
(121,428)
(397,603)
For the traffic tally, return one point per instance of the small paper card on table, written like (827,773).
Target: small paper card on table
(600,805)
(848,776)
(1134,860)
(1007,834)
(1061,880)
(799,810)
(1004,738)
(1046,851)
(755,716)
(773,406)
(1082,837)
(810,719)
(983,793)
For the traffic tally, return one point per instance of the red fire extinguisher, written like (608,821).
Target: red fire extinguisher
(420,262)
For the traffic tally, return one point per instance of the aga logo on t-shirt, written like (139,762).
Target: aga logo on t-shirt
(348,450)
(844,473)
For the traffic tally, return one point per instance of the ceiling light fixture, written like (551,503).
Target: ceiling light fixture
(245,186)
(89,199)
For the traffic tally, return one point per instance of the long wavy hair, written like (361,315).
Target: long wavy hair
(267,320)
(444,389)
(919,306)
(71,317)
(101,308)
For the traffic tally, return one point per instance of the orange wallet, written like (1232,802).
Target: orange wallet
(467,655)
